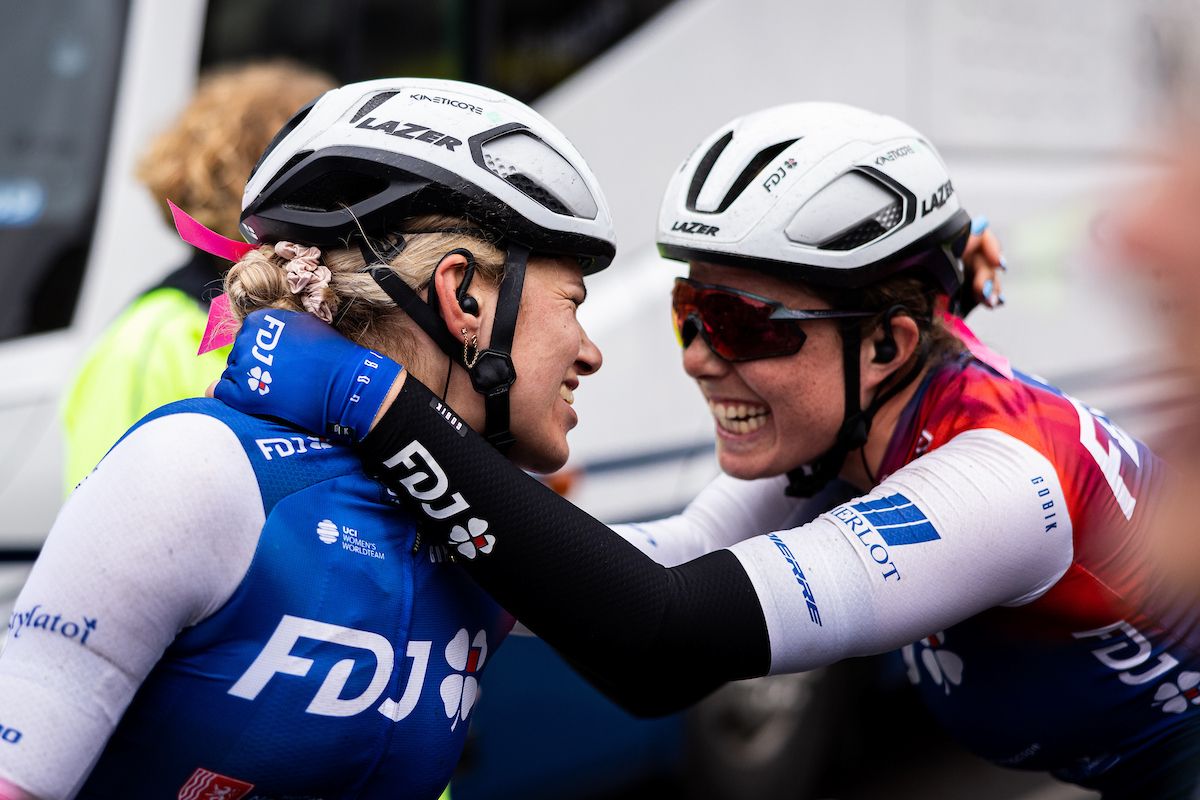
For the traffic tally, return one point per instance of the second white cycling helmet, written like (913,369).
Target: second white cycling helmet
(821,192)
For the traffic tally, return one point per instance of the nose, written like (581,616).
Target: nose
(590,358)
(699,361)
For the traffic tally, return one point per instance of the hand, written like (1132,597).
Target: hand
(292,366)
(983,265)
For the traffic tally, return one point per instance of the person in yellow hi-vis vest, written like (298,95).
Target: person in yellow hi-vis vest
(147,356)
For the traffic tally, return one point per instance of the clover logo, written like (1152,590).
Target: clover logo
(259,380)
(474,539)
(1174,696)
(460,689)
(944,667)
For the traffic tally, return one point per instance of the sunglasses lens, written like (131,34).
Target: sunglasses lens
(736,327)
(687,330)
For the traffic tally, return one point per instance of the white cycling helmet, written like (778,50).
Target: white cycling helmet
(821,192)
(363,159)
(830,195)
(382,151)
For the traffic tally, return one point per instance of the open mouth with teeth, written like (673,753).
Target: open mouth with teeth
(739,417)
(565,392)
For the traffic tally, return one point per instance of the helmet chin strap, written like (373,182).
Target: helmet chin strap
(493,373)
(808,479)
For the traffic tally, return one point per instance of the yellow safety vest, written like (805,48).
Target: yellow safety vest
(145,359)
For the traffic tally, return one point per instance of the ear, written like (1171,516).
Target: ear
(880,357)
(447,278)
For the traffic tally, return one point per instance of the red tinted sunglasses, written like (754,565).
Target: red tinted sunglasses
(740,326)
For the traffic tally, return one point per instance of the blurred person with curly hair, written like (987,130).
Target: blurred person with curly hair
(147,356)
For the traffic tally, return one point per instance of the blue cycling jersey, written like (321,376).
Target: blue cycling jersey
(345,663)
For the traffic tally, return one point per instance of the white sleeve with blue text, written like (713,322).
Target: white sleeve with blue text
(955,532)
(725,512)
(157,538)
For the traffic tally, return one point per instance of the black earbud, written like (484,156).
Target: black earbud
(886,350)
(468,304)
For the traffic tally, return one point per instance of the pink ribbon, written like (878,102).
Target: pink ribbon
(978,349)
(221,326)
(210,242)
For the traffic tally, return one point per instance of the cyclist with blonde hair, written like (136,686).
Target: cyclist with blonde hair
(229,607)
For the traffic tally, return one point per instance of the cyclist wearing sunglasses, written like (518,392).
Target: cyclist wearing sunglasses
(888,483)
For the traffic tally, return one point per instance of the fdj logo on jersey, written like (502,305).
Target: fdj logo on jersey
(1126,651)
(886,522)
(265,340)
(428,486)
(277,657)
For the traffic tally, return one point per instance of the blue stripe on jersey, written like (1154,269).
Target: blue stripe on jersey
(897,519)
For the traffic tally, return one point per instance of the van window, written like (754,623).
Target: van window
(59,61)
(522,47)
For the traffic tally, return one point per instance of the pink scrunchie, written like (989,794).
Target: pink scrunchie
(306,273)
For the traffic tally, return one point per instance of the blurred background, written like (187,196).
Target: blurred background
(1040,110)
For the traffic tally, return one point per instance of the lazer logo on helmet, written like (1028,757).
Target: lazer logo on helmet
(938,198)
(411,130)
(697,228)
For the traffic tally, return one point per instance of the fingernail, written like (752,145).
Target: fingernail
(1001,301)
(988,285)
(1003,263)
(979,225)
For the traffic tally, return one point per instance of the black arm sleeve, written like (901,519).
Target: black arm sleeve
(653,639)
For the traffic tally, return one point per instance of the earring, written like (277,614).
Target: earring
(470,349)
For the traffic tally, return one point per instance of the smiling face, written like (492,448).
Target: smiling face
(551,351)
(773,414)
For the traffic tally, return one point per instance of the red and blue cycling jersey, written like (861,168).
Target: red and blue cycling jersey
(1101,665)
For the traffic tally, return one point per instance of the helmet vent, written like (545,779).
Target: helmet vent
(704,167)
(756,165)
(291,162)
(287,128)
(531,188)
(334,190)
(538,170)
(372,104)
(868,230)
